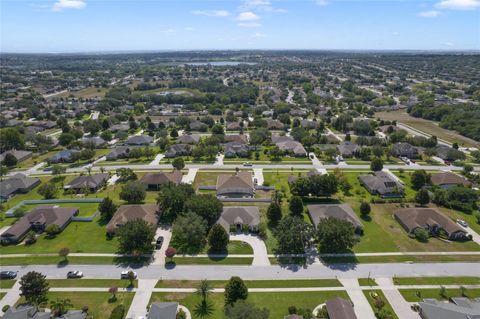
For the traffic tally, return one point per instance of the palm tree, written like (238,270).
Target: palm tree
(60,306)
(203,289)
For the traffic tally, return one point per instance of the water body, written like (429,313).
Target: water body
(220,63)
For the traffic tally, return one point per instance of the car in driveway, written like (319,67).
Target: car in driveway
(8,274)
(159,242)
(124,274)
(461,222)
(74,274)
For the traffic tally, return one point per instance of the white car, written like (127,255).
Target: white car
(461,222)
(75,274)
(124,274)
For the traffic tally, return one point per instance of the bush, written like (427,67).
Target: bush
(365,209)
(292,310)
(118,312)
(477,216)
(379,303)
(421,235)
(5,308)
(181,314)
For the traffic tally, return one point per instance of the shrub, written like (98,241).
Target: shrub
(292,310)
(365,209)
(5,308)
(117,312)
(421,235)
(477,216)
(181,314)
(379,303)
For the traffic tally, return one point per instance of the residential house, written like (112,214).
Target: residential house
(31,312)
(233,149)
(139,140)
(430,219)
(32,130)
(308,124)
(120,127)
(198,126)
(235,186)
(188,139)
(240,138)
(37,220)
(240,217)
(455,308)
(65,156)
(275,125)
(163,310)
(448,179)
(234,126)
(18,183)
(382,184)
(96,141)
(298,112)
(337,211)
(178,150)
(20,156)
(386,129)
(339,308)
(446,153)
(125,213)
(289,146)
(348,149)
(91,182)
(118,152)
(405,150)
(153,181)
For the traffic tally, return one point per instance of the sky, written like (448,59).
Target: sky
(136,25)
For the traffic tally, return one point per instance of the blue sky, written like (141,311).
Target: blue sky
(111,25)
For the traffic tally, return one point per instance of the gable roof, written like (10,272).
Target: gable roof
(340,308)
(337,211)
(163,310)
(240,138)
(19,155)
(88,181)
(174,177)
(245,215)
(347,148)
(238,183)
(18,182)
(415,217)
(445,178)
(139,140)
(188,139)
(380,182)
(459,308)
(125,213)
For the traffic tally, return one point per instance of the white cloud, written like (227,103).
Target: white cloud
(321,2)
(189,29)
(259,35)
(249,24)
(458,4)
(429,14)
(212,13)
(449,44)
(247,16)
(60,5)
(260,5)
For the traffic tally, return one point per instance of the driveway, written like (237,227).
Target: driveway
(138,308)
(399,304)
(360,303)
(11,297)
(475,235)
(260,255)
(190,177)
(159,255)
(157,159)
(219,159)
(258,175)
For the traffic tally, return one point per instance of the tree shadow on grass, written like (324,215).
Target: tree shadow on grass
(63,263)
(132,262)
(170,264)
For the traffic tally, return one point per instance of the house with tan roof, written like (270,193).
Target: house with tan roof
(448,179)
(239,217)
(125,213)
(344,212)
(153,181)
(235,186)
(289,146)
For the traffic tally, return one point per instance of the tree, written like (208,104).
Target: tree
(47,190)
(135,237)
(421,235)
(130,277)
(188,232)
(52,230)
(365,209)
(204,289)
(477,217)
(235,290)
(9,160)
(207,206)
(65,139)
(125,174)
(58,170)
(113,290)
(376,164)
(335,235)
(245,310)
(133,193)
(274,213)
(172,199)
(419,179)
(107,208)
(174,133)
(170,253)
(10,138)
(293,235)
(467,169)
(59,307)
(218,238)
(218,129)
(63,252)
(296,206)
(34,288)
(178,163)
(422,197)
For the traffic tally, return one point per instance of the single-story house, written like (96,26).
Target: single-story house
(456,308)
(188,139)
(337,211)
(308,124)
(178,150)
(32,130)
(382,184)
(237,185)
(18,183)
(288,145)
(407,150)
(388,128)
(98,142)
(20,156)
(339,308)
(93,182)
(275,125)
(198,126)
(120,127)
(233,149)
(118,152)
(239,138)
(234,126)
(65,156)
(430,219)
(32,312)
(239,217)
(348,149)
(37,220)
(153,181)
(448,179)
(139,140)
(148,212)
(447,153)
(163,310)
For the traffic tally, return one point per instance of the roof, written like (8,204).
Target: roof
(119,150)
(63,155)
(188,139)
(415,217)
(445,178)
(87,181)
(163,310)
(140,140)
(19,155)
(174,177)
(47,215)
(348,148)
(25,312)
(341,211)
(97,141)
(402,148)
(240,138)
(340,308)
(288,144)
(245,215)
(239,183)
(125,213)
(380,182)
(15,183)
(460,308)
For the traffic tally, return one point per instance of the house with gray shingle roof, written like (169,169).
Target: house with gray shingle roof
(239,217)
(139,140)
(337,211)
(234,186)
(93,183)
(163,310)
(456,308)
(382,184)
(18,183)
(20,156)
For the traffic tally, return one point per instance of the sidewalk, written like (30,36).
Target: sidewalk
(11,297)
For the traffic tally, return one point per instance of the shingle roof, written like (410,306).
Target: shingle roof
(188,139)
(19,155)
(88,181)
(163,310)
(125,213)
(15,183)
(380,182)
(174,177)
(340,211)
(460,308)
(340,308)
(238,183)
(245,215)
(448,178)
(140,140)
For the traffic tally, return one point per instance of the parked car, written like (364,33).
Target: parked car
(461,222)
(247,164)
(8,274)
(74,274)
(159,242)
(124,274)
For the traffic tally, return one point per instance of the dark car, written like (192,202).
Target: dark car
(159,242)
(8,274)
(75,274)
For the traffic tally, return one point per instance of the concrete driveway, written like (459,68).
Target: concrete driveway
(258,175)
(159,255)
(260,255)
(396,300)
(190,177)
(360,303)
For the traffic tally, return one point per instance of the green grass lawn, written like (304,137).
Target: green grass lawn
(277,303)
(234,247)
(212,261)
(367,282)
(2,294)
(437,281)
(402,258)
(410,295)
(380,296)
(254,283)
(52,260)
(6,283)
(91,283)
(85,209)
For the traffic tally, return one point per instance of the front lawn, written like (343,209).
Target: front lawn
(437,281)
(85,209)
(91,283)
(416,295)
(379,296)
